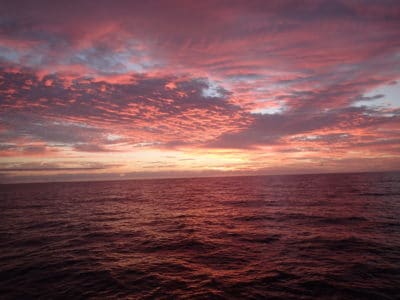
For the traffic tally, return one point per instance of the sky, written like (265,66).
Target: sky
(98,90)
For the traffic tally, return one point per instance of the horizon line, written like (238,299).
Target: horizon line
(198,177)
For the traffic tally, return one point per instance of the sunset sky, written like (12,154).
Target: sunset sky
(141,89)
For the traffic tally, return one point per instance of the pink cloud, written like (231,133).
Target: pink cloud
(198,75)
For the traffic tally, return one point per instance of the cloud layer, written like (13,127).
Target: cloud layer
(275,84)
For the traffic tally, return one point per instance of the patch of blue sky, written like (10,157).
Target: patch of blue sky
(106,61)
(270,108)
(10,55)
(212,90)
(276,109)
(390,97)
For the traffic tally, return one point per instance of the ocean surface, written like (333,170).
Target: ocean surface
(269,237)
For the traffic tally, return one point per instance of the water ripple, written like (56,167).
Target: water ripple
(277,237)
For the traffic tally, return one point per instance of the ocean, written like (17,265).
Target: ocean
(333,236)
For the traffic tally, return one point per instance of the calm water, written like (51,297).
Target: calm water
(275,237)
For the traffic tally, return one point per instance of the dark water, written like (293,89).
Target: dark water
(276,237)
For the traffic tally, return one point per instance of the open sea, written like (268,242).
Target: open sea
(331,236)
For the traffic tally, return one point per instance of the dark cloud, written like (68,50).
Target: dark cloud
(46,166)
(269,129)
(85,114)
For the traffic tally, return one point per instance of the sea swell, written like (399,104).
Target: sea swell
(276,237)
